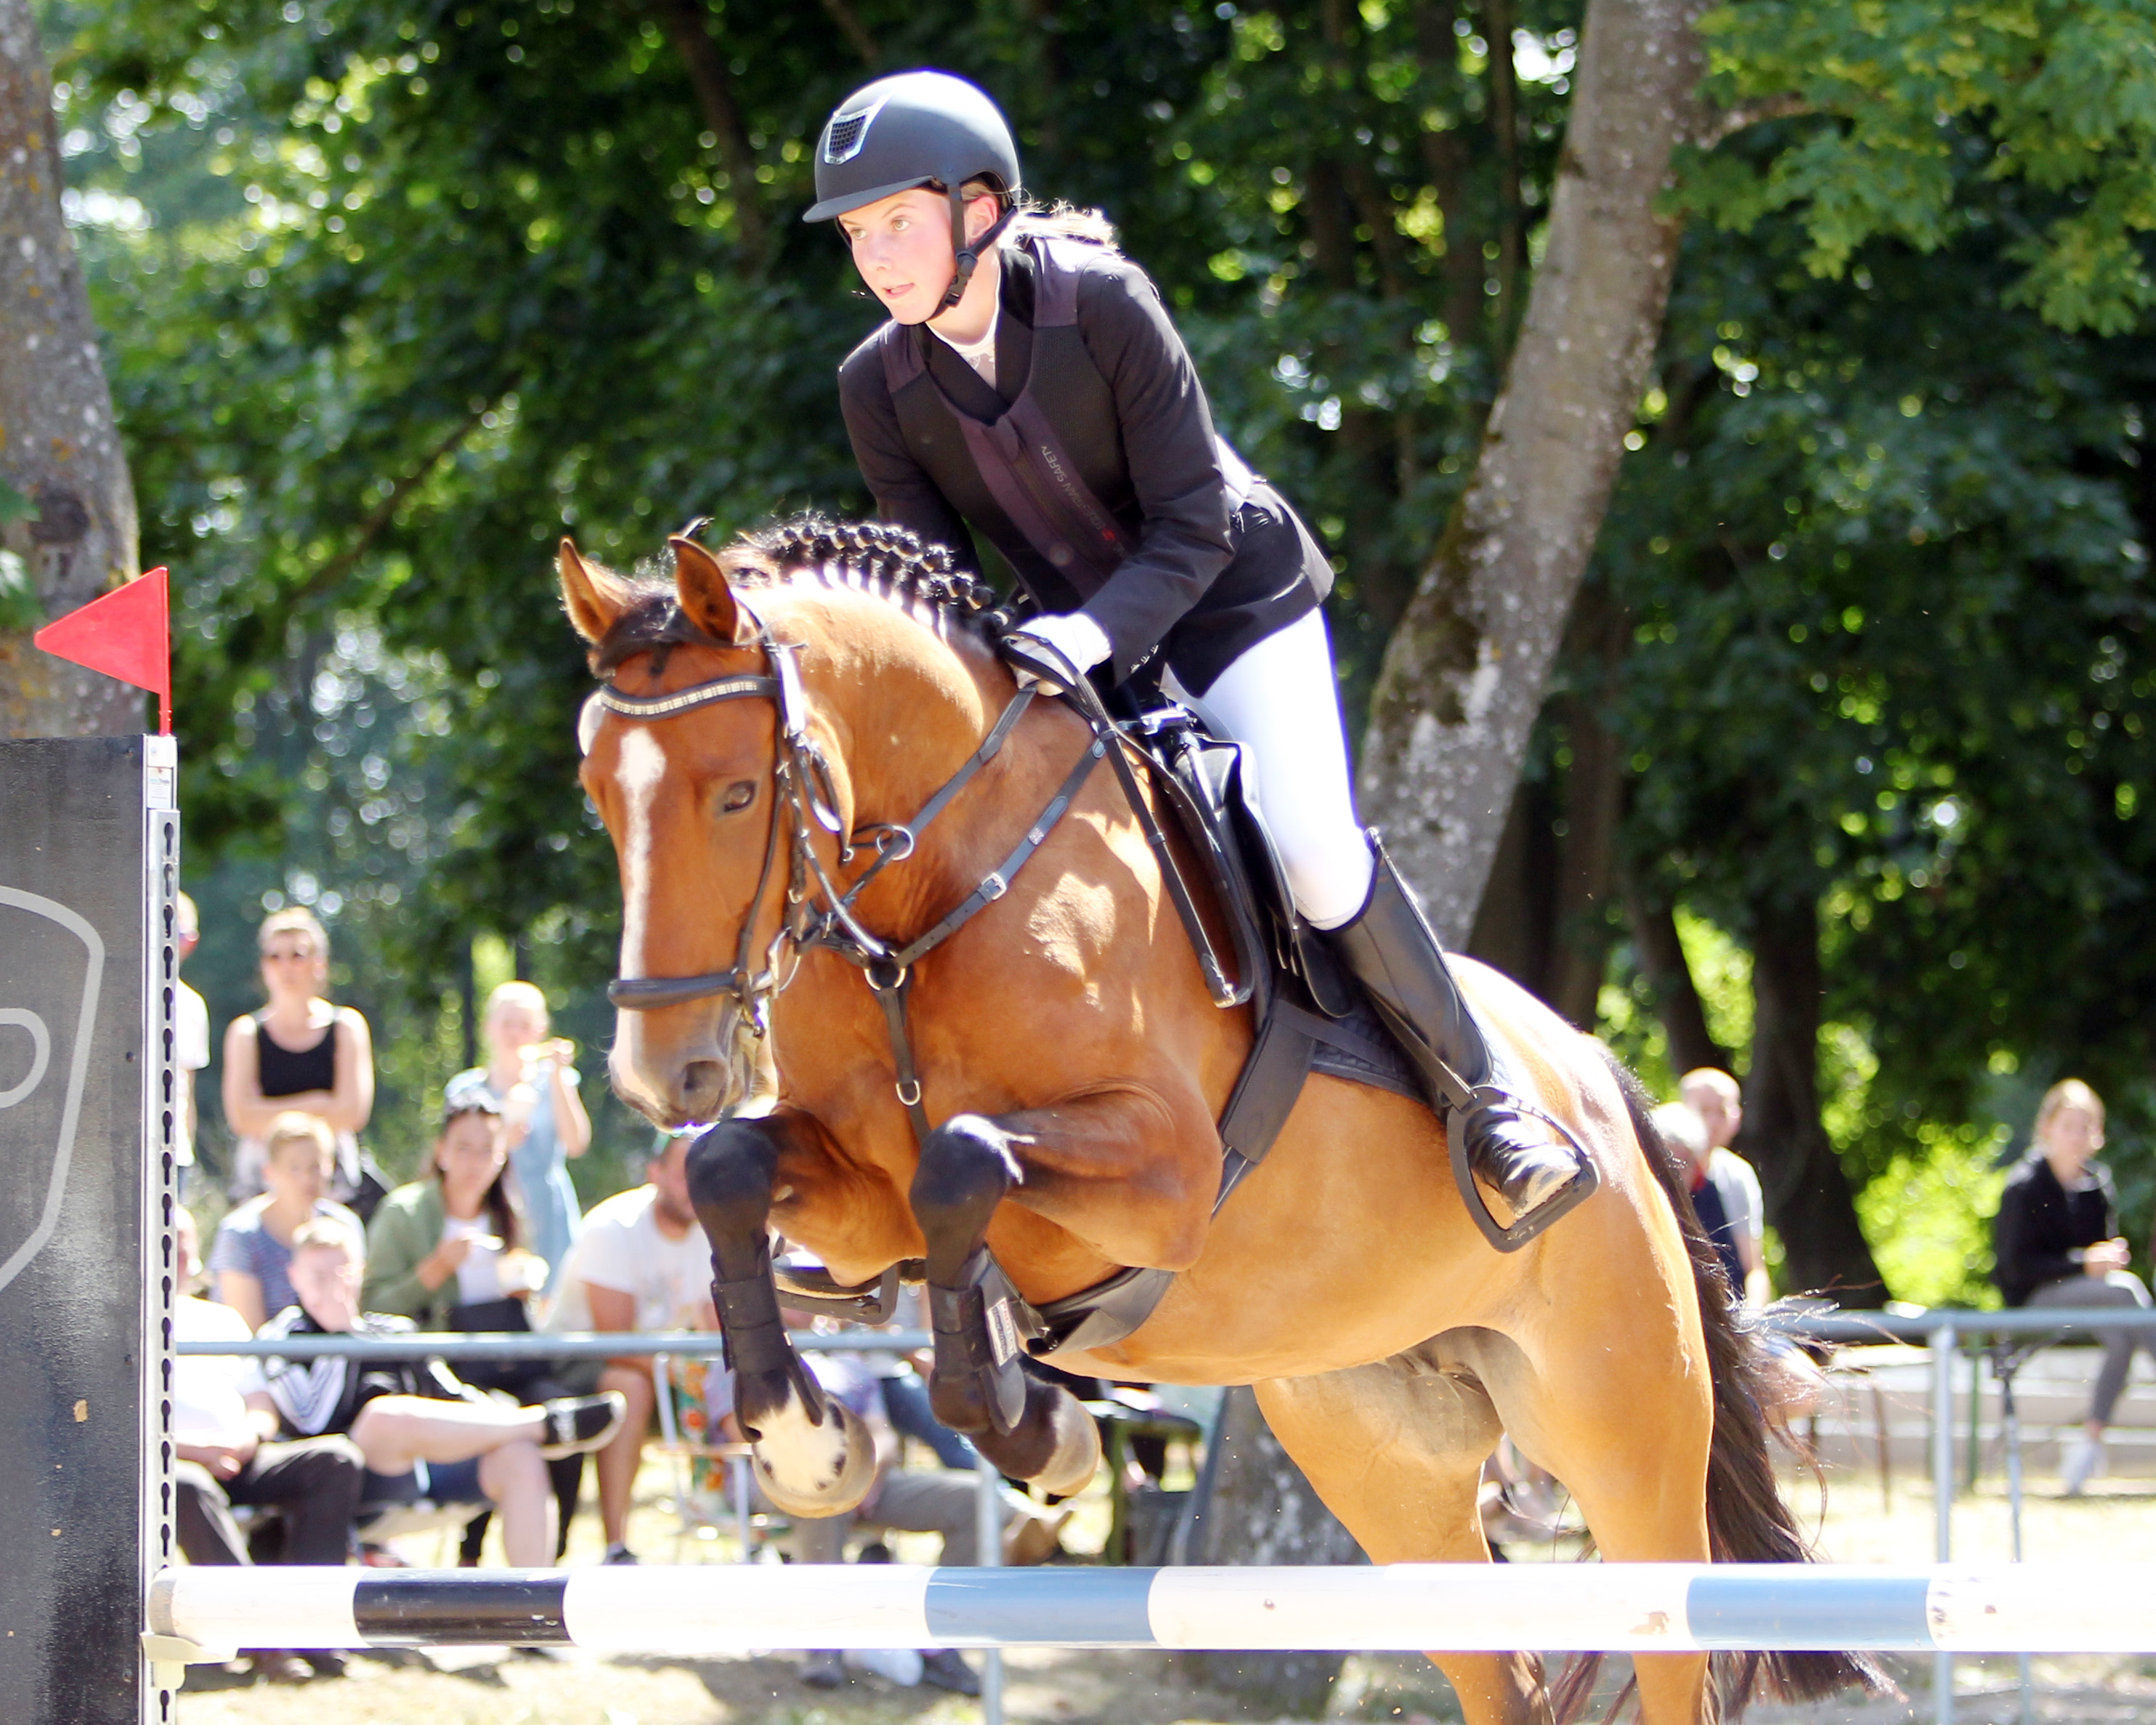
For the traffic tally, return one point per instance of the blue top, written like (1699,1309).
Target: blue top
(243,1243)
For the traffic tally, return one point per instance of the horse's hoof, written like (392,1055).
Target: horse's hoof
(1070,1465)
(1056,1445)
(815,1470)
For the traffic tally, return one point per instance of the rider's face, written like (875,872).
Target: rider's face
(901,245)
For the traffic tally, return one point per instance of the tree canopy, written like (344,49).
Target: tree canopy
(396,293)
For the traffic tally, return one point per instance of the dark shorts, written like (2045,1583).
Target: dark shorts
(436,1481)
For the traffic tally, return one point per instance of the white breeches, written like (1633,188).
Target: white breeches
(1279,700)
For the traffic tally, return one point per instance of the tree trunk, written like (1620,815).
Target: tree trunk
(1464,673)
(58,448)
(1262,1511)
(688,25)
(1661,955)
(1807,1194)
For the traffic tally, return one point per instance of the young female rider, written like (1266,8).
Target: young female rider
(1030,387)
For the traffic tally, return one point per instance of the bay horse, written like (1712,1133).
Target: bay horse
(1065,1042)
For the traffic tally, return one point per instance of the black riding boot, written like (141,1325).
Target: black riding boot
(1394,956)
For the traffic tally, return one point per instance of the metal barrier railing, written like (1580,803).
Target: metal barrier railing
(1941,1331)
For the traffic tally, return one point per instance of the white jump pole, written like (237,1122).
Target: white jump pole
(1618,1608)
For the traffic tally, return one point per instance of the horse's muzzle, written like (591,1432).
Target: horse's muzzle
(718,1070)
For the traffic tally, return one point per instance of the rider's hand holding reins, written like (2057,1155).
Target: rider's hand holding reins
(1051,653)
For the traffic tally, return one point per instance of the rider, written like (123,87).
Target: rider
(1047,401)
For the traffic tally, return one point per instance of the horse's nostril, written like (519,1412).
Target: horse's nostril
(702,1082)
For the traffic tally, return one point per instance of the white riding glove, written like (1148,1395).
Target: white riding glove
(1073,638)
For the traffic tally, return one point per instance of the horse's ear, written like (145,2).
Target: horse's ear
(594,596)
(700,584)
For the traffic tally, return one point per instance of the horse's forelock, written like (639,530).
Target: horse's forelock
(652,619)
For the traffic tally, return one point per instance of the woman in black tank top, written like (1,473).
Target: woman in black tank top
(299,1053)
(281,1072)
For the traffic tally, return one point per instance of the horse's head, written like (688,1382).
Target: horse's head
(689,797)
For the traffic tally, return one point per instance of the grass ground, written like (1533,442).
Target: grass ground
(480,1686)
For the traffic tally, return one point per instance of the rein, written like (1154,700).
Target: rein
(803,793)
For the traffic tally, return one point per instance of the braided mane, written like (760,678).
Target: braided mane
(892,562)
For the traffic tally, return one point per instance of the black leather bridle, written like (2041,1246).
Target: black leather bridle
(818,912)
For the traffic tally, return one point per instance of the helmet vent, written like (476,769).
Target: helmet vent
(843,137)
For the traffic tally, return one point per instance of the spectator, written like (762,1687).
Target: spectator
(903,1500)
(530,1075)
(472,1447)
(446,1251)
(2057,1242)
(222,1456)
(1739,1231)
(641,1264)
(190,1045)
(299,1053)
(250,1260)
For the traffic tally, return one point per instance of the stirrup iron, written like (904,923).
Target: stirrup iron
(1488,1099)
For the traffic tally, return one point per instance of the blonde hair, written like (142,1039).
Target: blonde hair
(1680,1124)
(326,1233)
(2067,1092)
(295,921)
(294,1127)
(1058,221)
(526,995)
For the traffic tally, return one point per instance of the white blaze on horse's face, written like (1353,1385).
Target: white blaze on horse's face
(647,1077)
(639,769)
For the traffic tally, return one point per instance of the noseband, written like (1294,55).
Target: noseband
(818,912)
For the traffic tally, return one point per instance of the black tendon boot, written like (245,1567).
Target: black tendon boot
(1527,1159)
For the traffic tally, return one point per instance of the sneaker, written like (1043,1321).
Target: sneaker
(894,1664)
(618,1553)
(826,1669)
(946,1668)
(574,1424)
(276,1665)
(1034,1538)
(2084,1462)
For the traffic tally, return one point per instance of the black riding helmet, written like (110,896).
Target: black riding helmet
(915,129)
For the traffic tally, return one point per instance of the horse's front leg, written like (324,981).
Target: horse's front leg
(1104,1166)
(813,1458)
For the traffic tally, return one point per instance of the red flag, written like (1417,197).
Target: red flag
(126,634)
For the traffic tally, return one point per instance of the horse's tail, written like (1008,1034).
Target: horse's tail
(1747,1521)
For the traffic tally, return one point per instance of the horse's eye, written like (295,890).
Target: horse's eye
(739,795)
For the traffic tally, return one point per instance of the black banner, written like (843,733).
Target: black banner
(89,862)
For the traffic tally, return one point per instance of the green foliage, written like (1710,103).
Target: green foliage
(2049,104)
(19,606)
(1928,1217)
(396,292)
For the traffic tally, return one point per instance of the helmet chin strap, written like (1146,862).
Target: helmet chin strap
(969,256)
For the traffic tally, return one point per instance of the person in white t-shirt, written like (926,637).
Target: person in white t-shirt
(223,1455)
(641,1264)
(190,1043)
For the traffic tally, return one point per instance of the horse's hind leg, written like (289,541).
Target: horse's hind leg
(1396,1451)
(813,1457)
(1029,1429)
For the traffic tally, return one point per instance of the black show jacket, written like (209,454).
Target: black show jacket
(1208,580)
